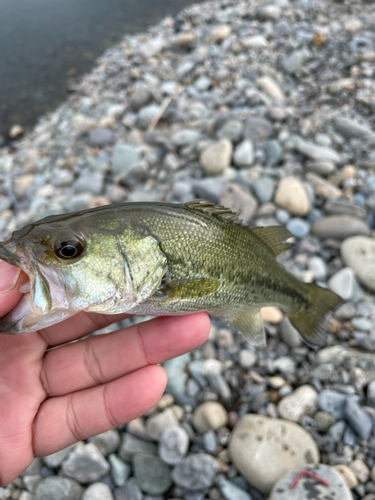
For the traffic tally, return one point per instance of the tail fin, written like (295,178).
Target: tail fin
(312,321)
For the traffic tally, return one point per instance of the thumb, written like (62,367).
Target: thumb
(10,280)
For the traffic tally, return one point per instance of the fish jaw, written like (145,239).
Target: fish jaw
(44,301)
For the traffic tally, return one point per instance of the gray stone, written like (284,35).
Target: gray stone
(124,157)
(177,379)
(232,492)
(85,464)
(361,470)
(140,98)
(351,129)
(232,130)
(101,137)
(289,333)
(243,155)
(34,468)
(314,152)
(309,488)
(196,472)
(265,449)
(343,207)
(339,227)
(264,189)
(357,418)
(130,491)
(273,151)
(318,267)
(298,227)
(336,431)
(371,394)
(185,67)
(131,445)
(293,62)
(185,137)
(210,441)
(97,491)
(285,364)
(56,459)
(147,114)
(107,442)
(247,358)
(268,12)
(209,188)
(58,488)
(31,481)
(158,423)
(152,474)
(345,284)
(203,83)
(358,252)
(332,402)
(302,401)
(320,167)
(363,324)
(89,181)
(120,470)
(239,201)
(174,444)
(323,420)
(270,87)
(257,129)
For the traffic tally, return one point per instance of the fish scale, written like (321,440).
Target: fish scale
(160,259)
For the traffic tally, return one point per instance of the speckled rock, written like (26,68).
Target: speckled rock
(265,449)
(58,488)
(196,472)
(308,488)
(152,474)
(85,464)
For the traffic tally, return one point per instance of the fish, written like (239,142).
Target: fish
(160,259)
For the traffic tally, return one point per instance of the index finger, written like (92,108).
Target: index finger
(11,278)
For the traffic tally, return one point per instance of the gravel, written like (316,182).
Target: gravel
(266,108)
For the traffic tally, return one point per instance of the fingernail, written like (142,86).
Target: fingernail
(9,277)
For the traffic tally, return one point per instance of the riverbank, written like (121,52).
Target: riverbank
(267,109)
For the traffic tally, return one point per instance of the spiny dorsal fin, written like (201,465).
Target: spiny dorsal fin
(275,237)
(217,211)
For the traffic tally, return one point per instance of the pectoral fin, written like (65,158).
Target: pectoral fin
(250,324)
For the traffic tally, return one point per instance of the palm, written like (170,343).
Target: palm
(53,398)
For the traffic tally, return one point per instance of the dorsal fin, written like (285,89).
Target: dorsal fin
(217,211)
(275,237)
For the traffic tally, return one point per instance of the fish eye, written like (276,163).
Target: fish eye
(68,248)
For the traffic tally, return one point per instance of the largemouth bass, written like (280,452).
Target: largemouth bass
(160,259)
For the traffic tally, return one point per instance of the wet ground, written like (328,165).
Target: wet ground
(46,44)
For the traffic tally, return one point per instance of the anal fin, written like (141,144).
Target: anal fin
(250,324)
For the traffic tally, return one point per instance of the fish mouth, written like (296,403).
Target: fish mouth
(44,300)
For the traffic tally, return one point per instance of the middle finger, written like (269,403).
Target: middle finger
(102,358)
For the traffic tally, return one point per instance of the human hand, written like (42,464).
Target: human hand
(50,399)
